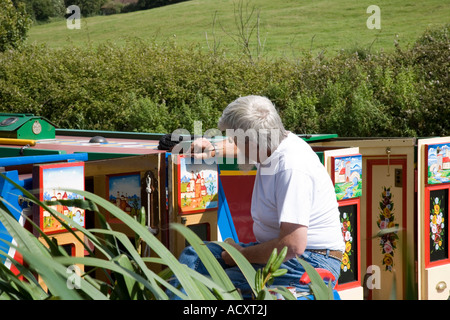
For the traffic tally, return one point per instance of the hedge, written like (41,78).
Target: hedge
(152,87)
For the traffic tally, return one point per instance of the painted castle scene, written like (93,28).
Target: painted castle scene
(125,192)
(55,180)
(438,159)
(198,187)
(348,176)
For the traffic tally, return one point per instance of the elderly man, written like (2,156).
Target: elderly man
(293,202)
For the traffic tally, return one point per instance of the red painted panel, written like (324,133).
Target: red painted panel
(238,190)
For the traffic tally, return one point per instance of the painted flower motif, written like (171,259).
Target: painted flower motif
(437,209)
(345,264)
(388,261)
(386,219)
(348,246)
(387,212)
(437,225)
(347,235)
(387,247)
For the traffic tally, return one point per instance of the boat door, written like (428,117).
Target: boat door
(433,176)
(345,168)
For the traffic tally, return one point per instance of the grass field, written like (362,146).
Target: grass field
(287,27)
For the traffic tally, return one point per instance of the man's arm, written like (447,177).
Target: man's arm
(293,236)
(203,149)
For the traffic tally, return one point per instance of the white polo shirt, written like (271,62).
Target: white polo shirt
(293,186)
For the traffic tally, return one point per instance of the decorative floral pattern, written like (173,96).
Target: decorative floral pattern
(346,228)
(388,241)
(437,225)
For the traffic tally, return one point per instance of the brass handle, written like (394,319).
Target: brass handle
(441,286)
(388,152)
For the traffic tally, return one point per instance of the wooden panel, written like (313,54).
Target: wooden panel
(199,220)
(133,171)
(386,208)
(68,240)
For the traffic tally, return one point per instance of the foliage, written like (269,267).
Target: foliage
(266,275)
(87,7)
(319,289)
(14,24)
(430,57)
(129,275)
(42,10)
(148,4)
(153,87)
(112,7)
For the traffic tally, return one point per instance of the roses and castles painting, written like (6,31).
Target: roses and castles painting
(438,163)
(197,186)
(53,182)
(347,177)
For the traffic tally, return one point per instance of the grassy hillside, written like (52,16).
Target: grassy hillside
(287,27)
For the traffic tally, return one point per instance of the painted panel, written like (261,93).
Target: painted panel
(197,186)
(54,181)
(238,191)
(124,190)
(10,200)
(436,229)
(438,163)
(347,176)
(350,267)
(386,217)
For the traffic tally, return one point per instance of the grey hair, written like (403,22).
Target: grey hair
(256,118)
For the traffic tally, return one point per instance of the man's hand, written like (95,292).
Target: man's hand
(202,148)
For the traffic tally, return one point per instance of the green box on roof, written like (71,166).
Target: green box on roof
(25,126)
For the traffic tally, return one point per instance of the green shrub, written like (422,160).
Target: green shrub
(300,114)
(430,56)
(161,87)
(14,24)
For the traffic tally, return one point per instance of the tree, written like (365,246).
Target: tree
(42,10)
(87,7)
(14,24)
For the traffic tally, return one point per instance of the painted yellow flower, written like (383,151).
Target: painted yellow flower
(433,219)
(348,246)
(345,259)
(387,212)
(436,209)
(388,260)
